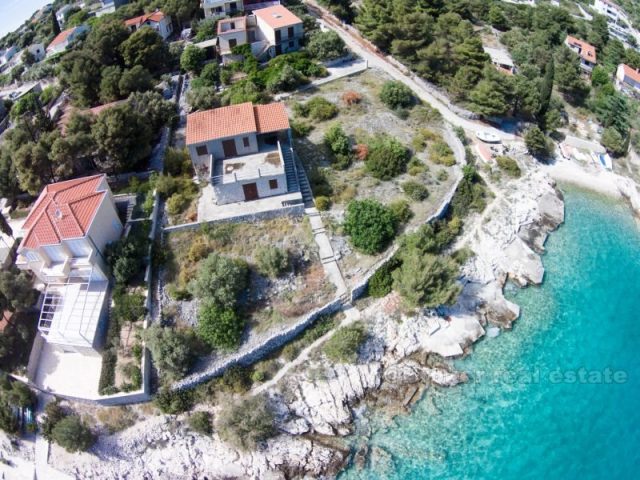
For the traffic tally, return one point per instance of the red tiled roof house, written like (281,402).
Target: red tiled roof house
(157,20)
(628,79)
(65,236)
(586,51)
(245,149)
(64,39)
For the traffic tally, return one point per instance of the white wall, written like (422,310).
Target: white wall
(233,192)
(214,147)
(223,40)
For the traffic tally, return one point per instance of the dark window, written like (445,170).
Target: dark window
(233,42)
(202,150)
(278,36)
(245,142)
(232,26)
(273,184)
(290,32)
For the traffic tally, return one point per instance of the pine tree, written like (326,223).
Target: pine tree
(5,227)
(546,88)
(55,26)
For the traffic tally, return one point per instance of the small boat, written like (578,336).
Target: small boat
(488,137)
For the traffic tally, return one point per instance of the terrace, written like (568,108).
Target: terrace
(267,162)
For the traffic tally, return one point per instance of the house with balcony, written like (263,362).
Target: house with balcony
(221,8)
(244,149)
(586,51)
(65,236)
(270,31)
(627,80)
(156,20)
(65,39)
(618,22)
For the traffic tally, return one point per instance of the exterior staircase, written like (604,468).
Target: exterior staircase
(290,168)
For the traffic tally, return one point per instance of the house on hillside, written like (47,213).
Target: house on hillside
(501,60)
(221,8)
(7,55)
(628,80)
(65,236)
(244,149)
(586,51)
(270,31)
(65,39)
(618,22)
(109,6)
(62,12)
(37,51)
(156,20)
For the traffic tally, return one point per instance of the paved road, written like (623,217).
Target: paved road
(375,59)
(584,144)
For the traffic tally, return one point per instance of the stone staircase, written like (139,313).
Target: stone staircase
(303,184)
(290,169)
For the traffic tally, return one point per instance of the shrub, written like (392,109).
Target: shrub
(396,95)
(343,345)
(220,327)
(387,158)
(236,379)
(220,280)
(177,203)
(441,154)
(422,138)
(299,128)
(323,203)
(107,378)
(177,162)
(381,283)
(247,423)
(174,402)
(192,58)
(72,434)
(134,374)
(370,225)
(171,350)
(200,422)
(536,143)
(401,212)
(361,152)
(321,109)
(272,261)
(129,307)
(443,175)
(613,141)
(336,140)
(53,413)
(415,191)
(508,165)
(350,98)
(198,250)
(426,280)
(416,167)
(326,45)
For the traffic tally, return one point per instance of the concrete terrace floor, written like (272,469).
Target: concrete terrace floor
(69,374)
(208,210)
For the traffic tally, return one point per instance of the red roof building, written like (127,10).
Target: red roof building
(156,20)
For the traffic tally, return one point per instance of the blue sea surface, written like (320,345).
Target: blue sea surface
(556,398)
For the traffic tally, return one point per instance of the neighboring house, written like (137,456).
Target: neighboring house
(7,55)
(270,31)
(246,150)
(156,20)
(618,22)
(62,13)
(586,51)
(65,39)
(110,6)
(501,60)
(37,50)
(221,8)
(65,236)
(69,110)
(628,79)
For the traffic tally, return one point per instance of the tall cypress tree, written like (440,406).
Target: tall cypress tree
(55,26)
(546,88)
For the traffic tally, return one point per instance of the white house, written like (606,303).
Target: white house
(156,20)
(618,22)
(221,8)
(62,12)
(65,39)
(270,31)
(109,6)
(65,236)
(586,51)
(245,149)
(6,55)
(501,59)
(628,79)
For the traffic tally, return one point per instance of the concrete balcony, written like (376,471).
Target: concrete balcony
(269,161)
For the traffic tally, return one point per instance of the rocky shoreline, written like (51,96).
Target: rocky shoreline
(403,357)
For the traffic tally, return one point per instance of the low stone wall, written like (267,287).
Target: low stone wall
(290,211)
(253,354)
(339,61)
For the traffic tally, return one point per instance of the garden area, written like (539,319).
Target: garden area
(367,138)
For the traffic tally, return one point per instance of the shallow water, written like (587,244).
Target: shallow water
(557,397)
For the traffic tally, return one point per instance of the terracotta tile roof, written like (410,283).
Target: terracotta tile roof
(60,38)
(277,16)
(631,73)
(236,24)
(587,51)
(63,211)
(69,110)
(235,120)
(156,16)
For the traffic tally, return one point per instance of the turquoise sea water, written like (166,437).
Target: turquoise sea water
(549,419)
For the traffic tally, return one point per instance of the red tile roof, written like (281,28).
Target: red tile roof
(149,17)
(587,51)
(631,73)
(63,211)
(235,120)
(277,16)
(60,38)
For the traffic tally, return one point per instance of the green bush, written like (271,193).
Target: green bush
(318,108)
(174,402)
(220,327)
(72,434)
(343,345)
(381,283)
(220,280)
(326,45)
(401,212)
(172,350)
(299,128)
(247,423)
(323,203)
(396,95)
(128,307)
(415,191)
(509,165)
(337,141)
(236,379)
(272,261)
(200,422)
(441,154)
(107,378)
(370,225)
(387,158)
(53,413)
(177,162)
(177,203)
(536,143)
